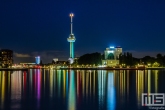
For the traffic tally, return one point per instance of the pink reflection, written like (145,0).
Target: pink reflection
(38,84)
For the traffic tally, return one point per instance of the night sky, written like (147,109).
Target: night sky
(31,28)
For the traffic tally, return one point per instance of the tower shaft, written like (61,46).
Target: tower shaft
(71,49)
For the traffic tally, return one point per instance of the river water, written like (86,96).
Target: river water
(43,89)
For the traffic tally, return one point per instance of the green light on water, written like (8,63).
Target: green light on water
(72,98)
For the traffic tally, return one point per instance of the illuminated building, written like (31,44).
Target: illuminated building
(37,59)
(55,60)
(6,58)
(111,56)
(71,39)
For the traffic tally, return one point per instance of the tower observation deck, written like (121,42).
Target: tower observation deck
(71,38)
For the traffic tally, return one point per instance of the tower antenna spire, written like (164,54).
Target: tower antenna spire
(71,24)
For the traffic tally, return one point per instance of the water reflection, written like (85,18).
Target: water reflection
(71,98)
(139,85)
(79,89)
(111,102)
(2,88)
(101,87)
(17,88)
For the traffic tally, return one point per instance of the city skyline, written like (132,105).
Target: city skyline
(41,28)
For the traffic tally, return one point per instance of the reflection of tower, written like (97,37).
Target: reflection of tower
(72,95)
(71,39)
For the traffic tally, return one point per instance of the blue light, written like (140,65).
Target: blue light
(37,59)
(112,47)
(111,99)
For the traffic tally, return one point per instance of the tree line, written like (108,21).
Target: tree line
(93,58)
(125,58)
(128,59)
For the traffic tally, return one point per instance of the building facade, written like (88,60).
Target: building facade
(37,60)
(111,56)
(6,58)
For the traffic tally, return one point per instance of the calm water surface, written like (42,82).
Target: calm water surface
(78,89)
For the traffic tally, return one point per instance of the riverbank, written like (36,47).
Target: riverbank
(89,68)
(108,68)
(13,69)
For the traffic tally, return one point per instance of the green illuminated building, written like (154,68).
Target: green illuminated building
(111,56)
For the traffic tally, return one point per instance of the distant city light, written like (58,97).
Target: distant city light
(111,47)
(55,59)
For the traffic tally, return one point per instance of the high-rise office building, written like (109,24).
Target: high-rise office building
(37,60)
(6,58)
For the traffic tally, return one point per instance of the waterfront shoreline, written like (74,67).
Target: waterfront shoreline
(14,69)
(26,69)
(160,68)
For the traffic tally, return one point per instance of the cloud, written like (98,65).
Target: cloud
(48,56)
(21,55)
